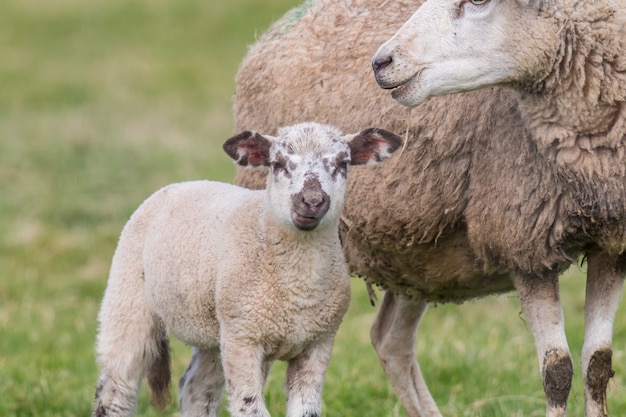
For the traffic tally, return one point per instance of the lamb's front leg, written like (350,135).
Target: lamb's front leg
(605,281)
(245,370)
(305,378)
(541,305)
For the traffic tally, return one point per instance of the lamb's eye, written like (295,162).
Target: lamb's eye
(342,167)
(277,166)
(478,2)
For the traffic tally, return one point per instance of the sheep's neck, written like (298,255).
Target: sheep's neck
(597,147)
(577,113)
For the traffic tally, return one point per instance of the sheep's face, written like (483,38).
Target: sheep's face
(308,168)
(451,46)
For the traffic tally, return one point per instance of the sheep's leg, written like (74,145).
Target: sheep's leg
(394,334)
(305,378)
(202,384)
(245,370)
(605,280)
(539,297)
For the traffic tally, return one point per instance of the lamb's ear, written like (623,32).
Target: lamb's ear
(372,145)
(249,148)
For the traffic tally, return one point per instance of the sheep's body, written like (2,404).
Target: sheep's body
(246,277)
(507,186)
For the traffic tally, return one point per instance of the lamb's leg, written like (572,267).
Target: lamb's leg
(394,334)
(305,378)
(605,280)
(127,348)
(539,297)
(131,341)
(202,384)
(245,370)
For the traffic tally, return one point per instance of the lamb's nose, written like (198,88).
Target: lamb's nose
(314,202)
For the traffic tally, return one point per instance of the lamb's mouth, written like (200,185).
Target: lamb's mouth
(305,222)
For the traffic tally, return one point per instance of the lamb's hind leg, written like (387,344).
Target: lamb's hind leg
(541,305)
(605,280)
(394,335)
(128,347)
(202,385)
(131,340)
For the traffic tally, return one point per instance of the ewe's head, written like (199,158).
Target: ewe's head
(451,46)
(308,166)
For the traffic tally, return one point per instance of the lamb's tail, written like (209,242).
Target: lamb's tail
(159,375)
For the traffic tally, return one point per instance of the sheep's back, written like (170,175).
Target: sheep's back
(471,197)
(318,68)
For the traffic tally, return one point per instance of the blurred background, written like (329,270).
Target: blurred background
(102,103)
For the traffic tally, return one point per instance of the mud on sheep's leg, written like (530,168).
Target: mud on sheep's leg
(541,304)
(605,281)
(394,334)
(201,386)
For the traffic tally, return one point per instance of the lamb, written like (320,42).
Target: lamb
(510,180)
(246,277)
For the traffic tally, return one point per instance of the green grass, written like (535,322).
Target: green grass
(101,103)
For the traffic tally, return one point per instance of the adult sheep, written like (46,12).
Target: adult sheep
(246,277)
(508,185)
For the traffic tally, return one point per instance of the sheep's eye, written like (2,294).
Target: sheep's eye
(478,2)
(277,166)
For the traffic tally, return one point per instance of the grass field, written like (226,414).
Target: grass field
(102,103)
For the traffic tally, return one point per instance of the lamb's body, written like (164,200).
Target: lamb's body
(214,275)
(246,277)
(507,186)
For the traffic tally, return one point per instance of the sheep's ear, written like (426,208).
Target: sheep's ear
(372,146)
(249,148)
(535,4)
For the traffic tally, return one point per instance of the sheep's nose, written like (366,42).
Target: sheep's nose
(381,61)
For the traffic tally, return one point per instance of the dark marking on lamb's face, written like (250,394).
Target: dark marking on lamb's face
(282,165)
(557,377)
(598,374)
(339,166)
(309,205)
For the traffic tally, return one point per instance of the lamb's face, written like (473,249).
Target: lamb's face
(307,181)
(308,166)
(452,46)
